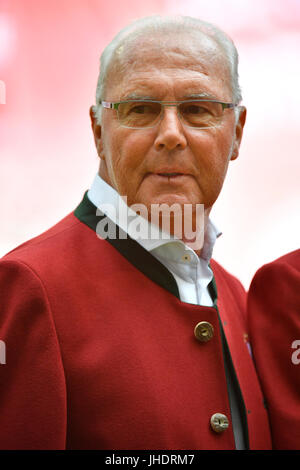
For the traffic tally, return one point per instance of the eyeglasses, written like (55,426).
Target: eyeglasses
(141,114)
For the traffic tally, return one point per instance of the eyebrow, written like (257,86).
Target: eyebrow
(199,96)
(190,96)
(135,96)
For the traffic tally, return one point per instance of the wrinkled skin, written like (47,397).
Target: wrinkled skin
(132,158)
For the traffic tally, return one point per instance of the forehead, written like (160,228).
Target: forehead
(191,63)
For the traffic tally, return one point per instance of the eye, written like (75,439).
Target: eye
(194,109)
(142,108)
(138,109)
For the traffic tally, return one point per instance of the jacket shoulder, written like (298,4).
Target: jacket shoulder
(279,270)
(48,242)
(291,259)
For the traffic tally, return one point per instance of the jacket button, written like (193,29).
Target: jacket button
(204,331)
(219,422)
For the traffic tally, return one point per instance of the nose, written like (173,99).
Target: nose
(170,134)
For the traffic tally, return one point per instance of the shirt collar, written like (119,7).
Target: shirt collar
(108,200)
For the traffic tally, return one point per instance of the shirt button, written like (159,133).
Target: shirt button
(219,422)
(204,331)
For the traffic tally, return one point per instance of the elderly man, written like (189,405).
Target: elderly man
(119,341)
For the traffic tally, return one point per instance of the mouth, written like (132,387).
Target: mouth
(170,175)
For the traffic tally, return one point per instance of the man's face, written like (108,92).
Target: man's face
(134,160)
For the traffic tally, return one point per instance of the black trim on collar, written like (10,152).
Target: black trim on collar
(133,251)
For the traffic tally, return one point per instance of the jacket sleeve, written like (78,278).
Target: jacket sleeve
(32,381)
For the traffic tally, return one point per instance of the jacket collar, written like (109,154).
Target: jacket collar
(137,255)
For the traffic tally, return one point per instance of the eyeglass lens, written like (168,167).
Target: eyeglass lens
(193,113)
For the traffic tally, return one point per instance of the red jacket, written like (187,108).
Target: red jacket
(274,322)
(101,353)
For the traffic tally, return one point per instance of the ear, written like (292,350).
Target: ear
(96,128)
(239,132)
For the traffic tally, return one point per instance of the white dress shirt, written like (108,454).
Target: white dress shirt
(191,272)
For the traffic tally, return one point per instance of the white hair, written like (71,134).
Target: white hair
(158,24)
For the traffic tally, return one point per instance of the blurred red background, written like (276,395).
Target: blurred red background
(49,59)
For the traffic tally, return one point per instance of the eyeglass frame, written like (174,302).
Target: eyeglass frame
(115,105)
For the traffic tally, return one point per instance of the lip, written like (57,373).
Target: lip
(169,176)
(168,170)
(168,173)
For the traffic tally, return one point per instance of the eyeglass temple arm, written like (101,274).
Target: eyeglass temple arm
(228,105)
(109,105)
